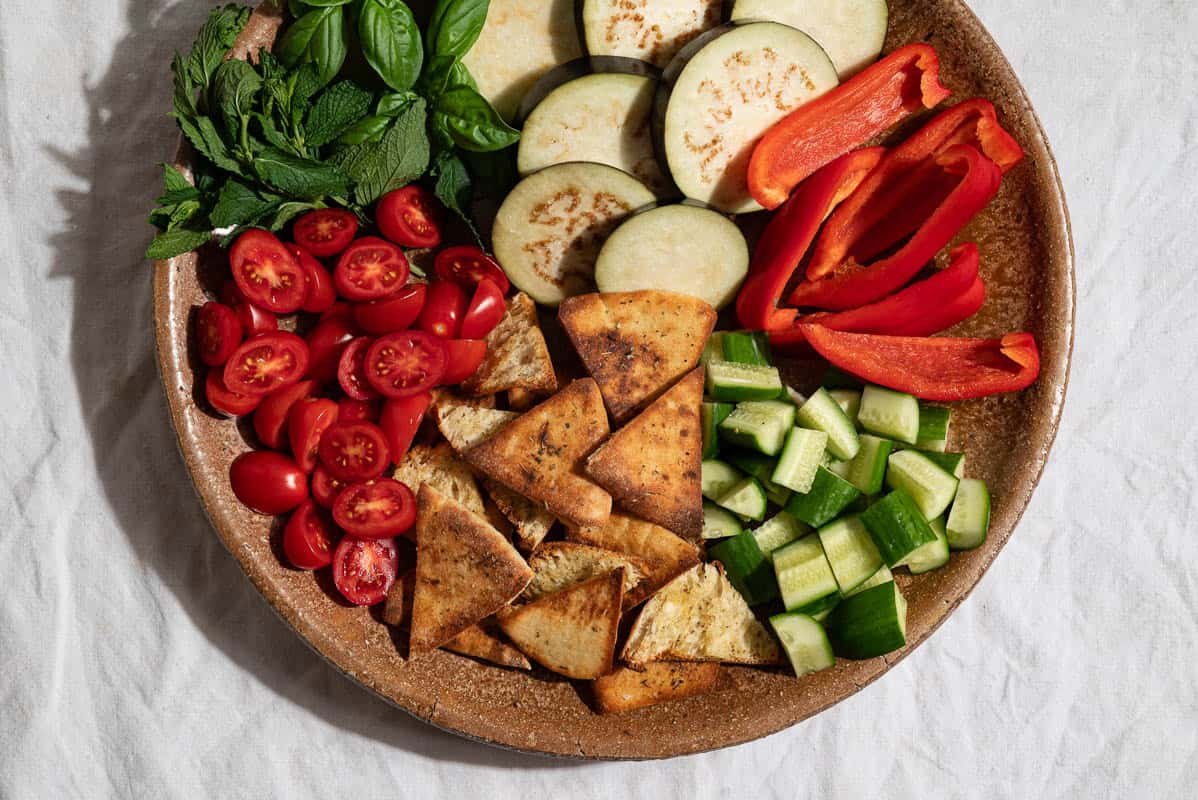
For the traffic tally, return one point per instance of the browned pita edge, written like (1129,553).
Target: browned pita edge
(652,465)
(397,610)
(465,570)
(661,682)
(540,454)
(444,396)
(635,344)
(517,356)
(666,555)
(572,632)
(560,565)
(521,399)
(438,466)
(476,642)
(532,522)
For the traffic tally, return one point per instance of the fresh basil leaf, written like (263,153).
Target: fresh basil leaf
(235,87)
(442,73)
(455,26)
(471,121)
(176,242)
(214,40)
(337,107)
(299,177)
(325,3)
(367,129)
(239,204)
(395,103)
(396,160)
(318,37)
(391,42)
(494,173)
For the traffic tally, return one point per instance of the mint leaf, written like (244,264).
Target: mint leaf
(335,110)
(396,160)
(454,188)
(235,87)
(214,40)
(272,134)
(207,141)
(174,180)
(299,177)
(238,204)
(286,212)
(176,242)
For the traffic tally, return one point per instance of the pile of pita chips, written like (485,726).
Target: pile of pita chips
(560,565)
(659,682)
(439,467)
(663,555)
(517,356)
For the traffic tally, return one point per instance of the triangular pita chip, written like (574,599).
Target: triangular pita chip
(699,617)
(465,570)
(560,565)
(397,610)
(521,399)
(439,466)
(540,454)
(652,465)
(635,344)
(476,642)
(572,632)
(660,681)
(517,356)
(665,555)
(532,522)
(445,396)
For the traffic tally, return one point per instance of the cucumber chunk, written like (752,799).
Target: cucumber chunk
(888,413)
(867,469)
(869,624)
(928,485)
(819,609)
(822,413)
(803,572)
(737,382)
(748,347)
(719,523)
(949,462)
(747,568)
(761,467)
(746,497)
(883,575)
(778,531)
(850,551)
(760,425)
(828,496)
(932,555)
(969,519)
(711,415)
(800,459)
(897,526)
(805,642)
(714,349)
(716,478)
(849,401)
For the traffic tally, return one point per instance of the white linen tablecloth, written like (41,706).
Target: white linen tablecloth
(137,661)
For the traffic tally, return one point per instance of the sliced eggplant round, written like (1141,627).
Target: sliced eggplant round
(721,93)
(551,225)
(683,248)
(850,31)
(651,30)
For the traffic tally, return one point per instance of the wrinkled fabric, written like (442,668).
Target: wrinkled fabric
(137,661)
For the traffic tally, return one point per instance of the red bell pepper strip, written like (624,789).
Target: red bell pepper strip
(936,368)
(959,309)
(788,235)
(874,218)
(906,81)
(977,179)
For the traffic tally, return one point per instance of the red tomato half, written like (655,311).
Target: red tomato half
(306,424)
(350,410)
(354,451)
(484,312)
(341,311)
(466,266)
(268,482)
(218,332)
(369,269)
(464,357)
(350,370)
(308,537)
(325,343)
(325,487)
(321,292)
(325,232)
(410,216)
(444,307)
(270,420)
(267,273)
(400,419)
(266,362)
(405,363)
(253,319)
(228,403)
(376,509)
(394,313)
(364,569)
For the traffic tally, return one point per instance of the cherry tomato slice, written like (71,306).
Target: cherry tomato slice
(350,372)
(378,509)
(267,273)
(400,419)
(266,362)
(254,320)
(325,487)
(364,569)
(369,269)
(354,451)
(405,363)
(342,312)
(390,314)
(270,420)
(308,537)
(325,343)
(444,307)
(268,482)
(484,312)
(350,410)
(410,216)
(228,403)
(467,265)
(325,232)
(322,295)
(218,332)
(306,424)
(464,357)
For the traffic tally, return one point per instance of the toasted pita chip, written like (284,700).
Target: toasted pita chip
(666,556)
(438,466)
(540,454)
(532,522)
(560,565)
(660,682)
(635,344)
(465,570)
(698,616)
(652,465)
(397,610)
(517,356)
(572,632)
(521,399)
(476,642)
(446,396)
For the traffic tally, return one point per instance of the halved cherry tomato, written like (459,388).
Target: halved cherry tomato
(350,372)
(306,424)
(228,403)
(377,509)
(254,320)
(444,307)
(325,232)
(410,216)
(369,269)
(354,451)
(267,273)
(484,312)
(321,292)
(466,265)
(464,357)
(364,569)
(268,482)
(341,311)
(405,363)
(325,487)
(270,420)
(400,419)
(325,343)
(266,362)
(218,332)
(308,537)
(351,410)
(394,313)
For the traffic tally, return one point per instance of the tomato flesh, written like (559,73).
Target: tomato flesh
(306,424)
(364,569)
(231,404)
(325,487)
(325,232)
(267,273)
(405,363)
(444,307)
(270,420)
(369,269)
(378,509)
(325,344)
(350,370)
(410,217)
(351,410)
(485,311)
(309,537)
(253,320)
(464,357)
(218,332)
(400,419)
(268,482)
(467,266)
(266,362)
(390,314)
(322,294)
(354,451)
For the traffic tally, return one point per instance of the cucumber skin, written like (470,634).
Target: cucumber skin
(829,495)
(747,568)
(866,624)
(894,516)
(748,347)
(870,483)
(719,389)
(968,540)
(815,655)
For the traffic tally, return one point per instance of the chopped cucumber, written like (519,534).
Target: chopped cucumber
(889,413)
(883,575)
(748,347)
(931,445)
(711,415)
(928,485)
(932,555)
(805,642)
(761,425)
(849,401)
(792,396)
(822,413)
(869,624)
(716,478)
(949,462)
(736,382)
(828,496)
(746,497)
(719,523)
(714,349)
(933,422)
(778,531)
(867,469)
(819,609)
(850,551)
(970,516)
(747,568)
(803,572)
(778,495)
(897,526)
(800,458)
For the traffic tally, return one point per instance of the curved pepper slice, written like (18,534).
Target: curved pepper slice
(906,81)
(960,181)
(932,368)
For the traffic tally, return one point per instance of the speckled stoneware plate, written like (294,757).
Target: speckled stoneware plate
(1027,263)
